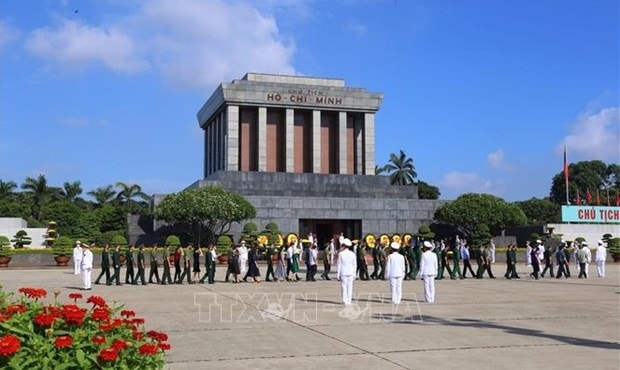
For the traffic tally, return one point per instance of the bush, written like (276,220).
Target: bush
(613,246)
(173,241)
(223,244)
(250,227)
(21,239)
(5,246)
(41,335)
(63,246)
(119,240)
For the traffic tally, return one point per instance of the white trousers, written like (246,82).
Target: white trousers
(86,277)
(346,287)
(600,267)
(77,266)
(429,288)
(396,285)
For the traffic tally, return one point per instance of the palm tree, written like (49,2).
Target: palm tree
(379,170)
(103,194)
(71,190)
(6,188)
(129,191)
(401,169)
(40,192)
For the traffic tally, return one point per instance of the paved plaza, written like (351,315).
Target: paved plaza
(482,324)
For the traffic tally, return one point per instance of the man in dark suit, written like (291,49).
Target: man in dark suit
(105,265)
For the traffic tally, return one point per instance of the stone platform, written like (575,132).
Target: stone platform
(486,324)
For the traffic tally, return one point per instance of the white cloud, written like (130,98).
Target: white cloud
(496,161)
(464,182)
(192,43)
(7,33)
(595,135)
(74,44)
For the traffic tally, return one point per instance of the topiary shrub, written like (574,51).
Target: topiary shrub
(173,241)
(250,227)
(613,248)
(118,240)
(63,246)
(5,246)
(223,244)
(21,239)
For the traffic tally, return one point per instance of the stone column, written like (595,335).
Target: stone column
(224,141)
(206,154)
(289,140)
(232,122)
(262,139)
(216,144)
(358,133)
(316,141)
(342,142)
(369,141)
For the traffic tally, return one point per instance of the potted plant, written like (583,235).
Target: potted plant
(63,250)
(613,248)
(5,251)
(223,246)
(21,239)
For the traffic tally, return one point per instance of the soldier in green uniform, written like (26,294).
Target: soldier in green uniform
(361,261)
(440,262)
(456,259)
(186,263)
(166,278)
(141,267)
(382,257)
(417,257)
(116,264)
(270,250)
(513,258)
(129,273)
(105,265)
(154,265)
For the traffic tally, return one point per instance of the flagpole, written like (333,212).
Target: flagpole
(566,175)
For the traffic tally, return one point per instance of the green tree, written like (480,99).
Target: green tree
(540,211)
(481,236)
(40,192)
(71,190)
(6,188)
(427,191)
(128,192)
(103,194)
(469,210)
(584,176)
(66,214)
(401,169)
(212,209)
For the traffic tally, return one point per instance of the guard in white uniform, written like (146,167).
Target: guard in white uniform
(395,272)
(347,266)
(87,266)
(599,258)
(428,271)
(77,257)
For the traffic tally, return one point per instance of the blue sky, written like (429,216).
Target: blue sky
(482,94)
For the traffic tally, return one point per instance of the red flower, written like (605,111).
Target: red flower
(128,313)
(105,327)
(53,310)
(75,295)
(108,354)
(98,339)
(163,346)
(44,319)
(117,322)
(9,344)
(96,300)
(15,308)
(157,335)
(73,314)
(138,321)
(137,335)
(100,314)
(63,341)
(4,317)
(34,293)
(119,344)
(148,349)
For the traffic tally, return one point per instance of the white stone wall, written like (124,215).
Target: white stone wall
(591,232)
(10,226)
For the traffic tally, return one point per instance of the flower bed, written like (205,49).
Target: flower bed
(36,335)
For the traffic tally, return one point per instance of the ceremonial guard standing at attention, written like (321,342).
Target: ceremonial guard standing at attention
(600,257)
(395,272)
(347,265)
(78,253)
(87,266)
(428,271)
(105,265)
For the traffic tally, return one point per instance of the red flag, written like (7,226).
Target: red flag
(608,202)
(588,197)
(579,198)
(565,165)
(598,198)
(617,199)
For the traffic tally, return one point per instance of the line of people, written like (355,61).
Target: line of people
(560,258)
